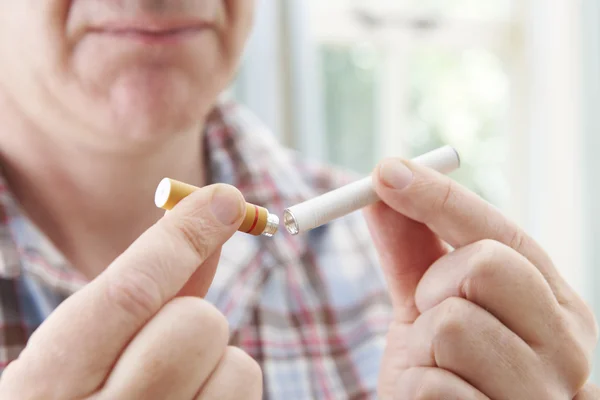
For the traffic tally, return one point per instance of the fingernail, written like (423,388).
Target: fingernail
(226,205)
(395,175)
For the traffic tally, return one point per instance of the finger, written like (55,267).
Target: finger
(406,249)
(173,355)
(201,279)
(457,215)
(505,284)
(434,384)
(499,280)
(589,392)
(102,318)
(237,376)
(466,340)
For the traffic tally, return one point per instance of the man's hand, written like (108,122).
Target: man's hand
(492,319)
(141,329)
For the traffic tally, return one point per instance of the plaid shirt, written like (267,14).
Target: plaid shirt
(311,309)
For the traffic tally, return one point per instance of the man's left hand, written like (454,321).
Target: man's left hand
(480,311)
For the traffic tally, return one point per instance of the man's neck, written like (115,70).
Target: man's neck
(92,205)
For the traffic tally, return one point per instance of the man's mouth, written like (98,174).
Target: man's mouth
(151,31)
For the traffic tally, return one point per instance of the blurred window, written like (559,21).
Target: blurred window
(404,77)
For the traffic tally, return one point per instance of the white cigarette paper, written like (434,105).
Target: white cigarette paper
(340,202)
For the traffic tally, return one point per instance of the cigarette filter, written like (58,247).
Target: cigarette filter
(347,199)
(257,221)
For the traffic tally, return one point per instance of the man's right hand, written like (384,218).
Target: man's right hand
(141,330)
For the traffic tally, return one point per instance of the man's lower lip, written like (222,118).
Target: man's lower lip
(148,37)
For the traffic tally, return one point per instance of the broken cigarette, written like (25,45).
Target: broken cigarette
(323,209)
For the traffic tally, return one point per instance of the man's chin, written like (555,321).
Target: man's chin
(150,125)
(146,103)
(149,110)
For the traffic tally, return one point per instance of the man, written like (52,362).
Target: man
(100,100)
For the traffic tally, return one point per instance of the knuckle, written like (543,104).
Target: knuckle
(246,372)
(432,207)
(453,316)
(482,264)
(425,388)
(490,251)
(10,376)
(490,246)
(202,319)
(11,372)
(134,292)
(489,262)
(446,202)
(18,381)
(577,363)
(195,232)
(247,367)
(517,240)
(569,355)
(593,322)
(419,383)
(590,322)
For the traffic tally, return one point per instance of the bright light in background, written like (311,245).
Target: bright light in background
(437,68)
(490,9)
(462,97)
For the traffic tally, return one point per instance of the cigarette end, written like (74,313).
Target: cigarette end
(457,156)
(290,222)
(163,192)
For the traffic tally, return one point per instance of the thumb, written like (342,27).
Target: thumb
(406,249)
